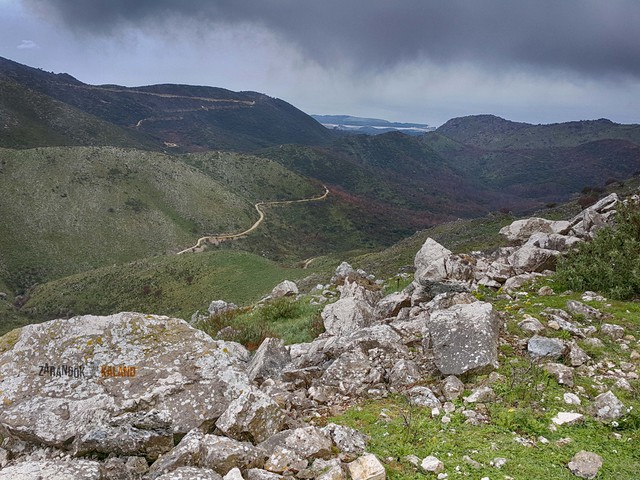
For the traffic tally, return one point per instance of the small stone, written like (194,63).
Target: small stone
(571,399)
(481,395)
(531,325)
(606,406)
(233,474)
(445,419)
(563,442)
(499,462)
(472,462)
(567,418)
(585,464)
(553,325)
(616,332)
(577,356)
(413,460)
(623,384)
(546,347)
(423,397)
(443,476)
(545,291)
(634,355)
(432,465)
(367,467)
(452,387)
(562,373)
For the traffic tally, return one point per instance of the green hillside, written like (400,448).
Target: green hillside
(67,210)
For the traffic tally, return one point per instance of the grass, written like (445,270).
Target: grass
(295,321)
(176,285)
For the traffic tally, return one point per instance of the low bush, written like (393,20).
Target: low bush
(610,263)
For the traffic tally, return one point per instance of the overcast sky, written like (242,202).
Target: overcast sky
(425,61)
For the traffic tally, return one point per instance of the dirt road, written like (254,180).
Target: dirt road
(217,239)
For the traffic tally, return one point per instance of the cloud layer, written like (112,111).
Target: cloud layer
(587,37)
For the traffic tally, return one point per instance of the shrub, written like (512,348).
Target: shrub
(610,263)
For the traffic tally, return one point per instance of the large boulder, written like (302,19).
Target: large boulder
(593,218)
(530,258)
(436,264)
(520,230)
(286,288)
(98,375)
(269,360)
(59,469)
(353,311)
(464,338)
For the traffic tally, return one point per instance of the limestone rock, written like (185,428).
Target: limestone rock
(517,281)
(606,406)
(531,325)
(328,470)
(346,439)
(353,311)
(191,473)
(269,360)
(562,373)
(253,416)
(577,356)
(260,474)
(306,442)
(567,418)
(481,395)
(423,397)
(404,373)
(431,464)
(351,374)
(593,218)
(233,474)
(452,387)
(579,308)
(529,258)
(218,307)
(464,338)
(539,346)
(286,288)
(520,230)
(180,372)
(616,332)
(439,270)
(367,467)
(63,469)
(585,464)
(391,305)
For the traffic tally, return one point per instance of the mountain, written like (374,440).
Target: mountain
(370,126)
(178,117)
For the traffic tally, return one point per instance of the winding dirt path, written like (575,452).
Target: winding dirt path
(217,239)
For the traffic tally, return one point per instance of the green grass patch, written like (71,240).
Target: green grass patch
(176,285)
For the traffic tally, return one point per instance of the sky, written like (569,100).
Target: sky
(424,61)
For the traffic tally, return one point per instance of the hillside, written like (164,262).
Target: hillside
(181,117)
(67,210)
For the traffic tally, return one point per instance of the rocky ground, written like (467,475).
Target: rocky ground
(477,369)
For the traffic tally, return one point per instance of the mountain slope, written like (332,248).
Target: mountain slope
(71,209)
(183,117)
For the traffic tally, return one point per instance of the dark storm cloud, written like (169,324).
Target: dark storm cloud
(588,37)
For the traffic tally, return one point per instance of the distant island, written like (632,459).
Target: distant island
(370,126)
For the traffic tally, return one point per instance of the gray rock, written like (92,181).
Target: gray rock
(353,311)
(218,307)
(567,418)
(562,373)
(346,439)
(391,305)
(593,218)
(579,308)
(404,373)
(577,356)
(306,442)
(328,469)
(423,397)
(180,372)
(286,288)
(259,474)
(191,473)
(615,332)
(520,230)
(529,258)
(196,449)
(481,395)
(269,360)
(344,271)
(146,434)
(283,459)
(531,325)
(447,300)
(452,387)
(539,346)
(553,241)
(431,464)
(464,338)
(351,374)
(367,467)
(62,469)
(435,263)
(518,281)
(233,474)
(253,416)
(585,464)
(606,406)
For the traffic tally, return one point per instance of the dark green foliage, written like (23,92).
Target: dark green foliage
(610,264)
